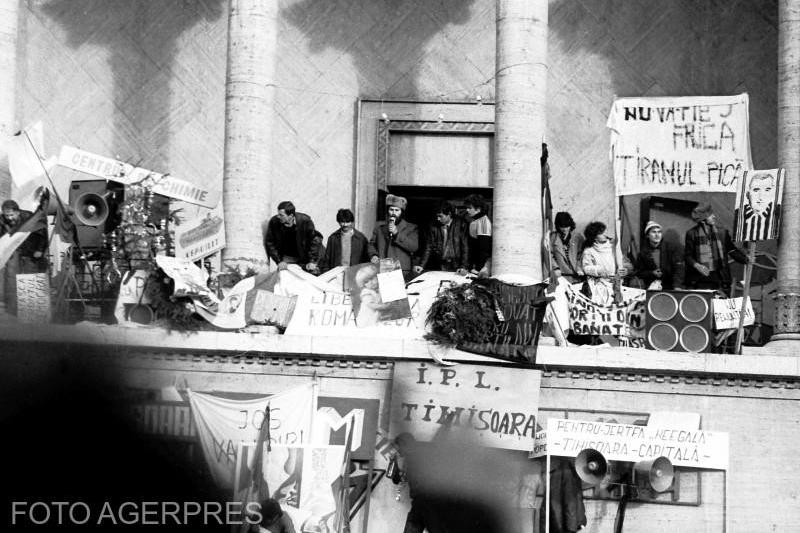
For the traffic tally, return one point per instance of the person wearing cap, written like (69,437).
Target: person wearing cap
(706,252)
(657,261)
(273,519)
(396,238)
(29,258)
(565,248)
(290,238)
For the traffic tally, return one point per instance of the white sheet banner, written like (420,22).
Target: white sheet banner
(223,424)
(625,442)
(679,144)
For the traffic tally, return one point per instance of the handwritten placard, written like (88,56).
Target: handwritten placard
(590,318)
(728,310)
(625,442)
(679,144)
(33,297)
(483,400)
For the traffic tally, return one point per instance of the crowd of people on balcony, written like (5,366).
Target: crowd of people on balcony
(463,244)
(453,244)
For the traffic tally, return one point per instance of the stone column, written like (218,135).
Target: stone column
(520,121)
(9,21)
(787,311)
(249,124)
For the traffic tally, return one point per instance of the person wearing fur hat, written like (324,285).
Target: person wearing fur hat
(396,238)
(706,252)
(657,262)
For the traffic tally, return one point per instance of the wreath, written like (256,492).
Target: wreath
(460,314)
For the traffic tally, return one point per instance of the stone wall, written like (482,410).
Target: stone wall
(144,80)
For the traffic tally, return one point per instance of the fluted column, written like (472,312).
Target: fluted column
(249,125)
(9,21)
(787,310)
(520,121)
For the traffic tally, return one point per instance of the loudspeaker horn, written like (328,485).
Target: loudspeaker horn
(591,466)
(655,474)
(91,208)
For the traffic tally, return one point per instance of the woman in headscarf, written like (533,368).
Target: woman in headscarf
(599,263)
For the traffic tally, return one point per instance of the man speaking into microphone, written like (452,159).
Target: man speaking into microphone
(396,238)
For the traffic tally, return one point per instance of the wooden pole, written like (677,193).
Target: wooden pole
(249,120)
(520,123)
(368,493)
(748,272)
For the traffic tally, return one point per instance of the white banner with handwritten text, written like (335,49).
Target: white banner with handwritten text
(679,144)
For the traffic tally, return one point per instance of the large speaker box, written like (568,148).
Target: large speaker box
(680,321)
(95,203)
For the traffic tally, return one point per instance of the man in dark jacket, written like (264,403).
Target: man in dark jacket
(396,238)
(706,253)
(657,260)
(446,248)
(29,258)
(346,246)
(290,238)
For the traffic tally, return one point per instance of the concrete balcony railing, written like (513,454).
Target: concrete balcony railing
(754,362)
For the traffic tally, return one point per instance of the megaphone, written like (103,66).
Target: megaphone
(591,466)
(91,208)
(654,474)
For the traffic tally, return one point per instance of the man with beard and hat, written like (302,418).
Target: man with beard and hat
(658,262)
(706,252)
(396,238)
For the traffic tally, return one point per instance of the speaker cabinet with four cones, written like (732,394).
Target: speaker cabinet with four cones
(679,321)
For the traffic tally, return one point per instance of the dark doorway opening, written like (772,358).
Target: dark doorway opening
(423,201)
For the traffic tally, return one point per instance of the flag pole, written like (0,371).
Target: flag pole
(748,273)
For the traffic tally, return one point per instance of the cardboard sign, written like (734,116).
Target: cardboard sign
(331,314)
(485,401)
(624,442)
(728,310)
(33,298)
(758,205)
(679,144)
(112,169)
(131,292)
(201,237)
(336,416)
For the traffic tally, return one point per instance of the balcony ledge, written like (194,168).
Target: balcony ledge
(761,362)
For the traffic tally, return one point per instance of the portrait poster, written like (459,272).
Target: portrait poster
(759,195)
(369,307)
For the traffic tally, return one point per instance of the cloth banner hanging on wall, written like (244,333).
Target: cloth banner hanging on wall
(625,319)
(223,424)
(679,144)
(303,479)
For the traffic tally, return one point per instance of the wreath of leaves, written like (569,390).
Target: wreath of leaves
(465,313)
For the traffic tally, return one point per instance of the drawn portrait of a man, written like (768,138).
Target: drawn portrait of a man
(758,205)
